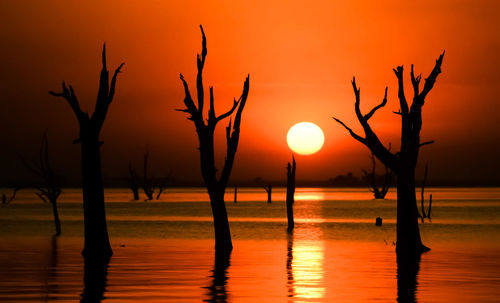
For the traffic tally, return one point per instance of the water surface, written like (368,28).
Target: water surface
(164,249)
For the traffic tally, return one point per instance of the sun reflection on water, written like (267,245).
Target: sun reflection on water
(305,266)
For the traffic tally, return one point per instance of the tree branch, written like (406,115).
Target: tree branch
(426,143)
(429,82)
(415,82)
(113,82)
(401,92)
(188,101)
(106,93)
(233,138)
(235,104)
(211,112)
(200,62)
(353,134)
(370,140)
(70,97)
(384,102)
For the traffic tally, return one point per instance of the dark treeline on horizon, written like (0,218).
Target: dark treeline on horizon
(343,180)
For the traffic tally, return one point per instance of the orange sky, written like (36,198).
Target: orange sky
(301,56)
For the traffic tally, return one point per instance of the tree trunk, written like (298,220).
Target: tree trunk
(223,241)
(57,222)
(290,192)
(269,193)
(408,234)
(135,191)
(96,233)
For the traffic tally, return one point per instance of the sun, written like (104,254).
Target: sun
(305,138)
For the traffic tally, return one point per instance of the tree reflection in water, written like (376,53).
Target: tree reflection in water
(408,267)
(95,279)
(217,290)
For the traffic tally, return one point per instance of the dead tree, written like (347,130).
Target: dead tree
(148,184)
(269,190)
(14,194)
(371,176)
(162,185)
(422,199)
(50,189)
(402,163)
(96,233)
(205,130)
(133,181)
(290,192)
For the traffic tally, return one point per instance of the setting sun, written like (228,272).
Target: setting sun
(305,138)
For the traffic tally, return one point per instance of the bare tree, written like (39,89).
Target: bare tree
(290,192)
(371,176)
(96,233)
(422,199)
(133,181)
(148,185)
(205,130)
(49,188)
(269,191)
(162,184)
(402,163)
(6,200)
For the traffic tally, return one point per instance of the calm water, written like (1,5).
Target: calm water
(164,249)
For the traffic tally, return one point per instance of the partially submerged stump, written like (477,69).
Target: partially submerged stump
(290,192)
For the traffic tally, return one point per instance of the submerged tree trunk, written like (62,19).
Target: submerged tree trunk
(408,233)
(290,192)
(57,222)
(221,223)
(133,182)
(96,232)
(269,190)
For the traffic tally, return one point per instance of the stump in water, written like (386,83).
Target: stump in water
(133,181)
(290,191)
(269,189)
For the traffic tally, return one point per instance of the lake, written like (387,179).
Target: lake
(163,250)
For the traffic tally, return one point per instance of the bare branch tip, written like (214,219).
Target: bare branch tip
(104,55)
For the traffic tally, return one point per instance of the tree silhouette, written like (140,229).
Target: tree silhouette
(133,181)
(205,130)
(371,176)
(269,191)
(422,199)
(290,192)
(50,189)
(402,163)
(148,185)
(96,233)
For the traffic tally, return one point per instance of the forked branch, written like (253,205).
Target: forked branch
(370,140)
